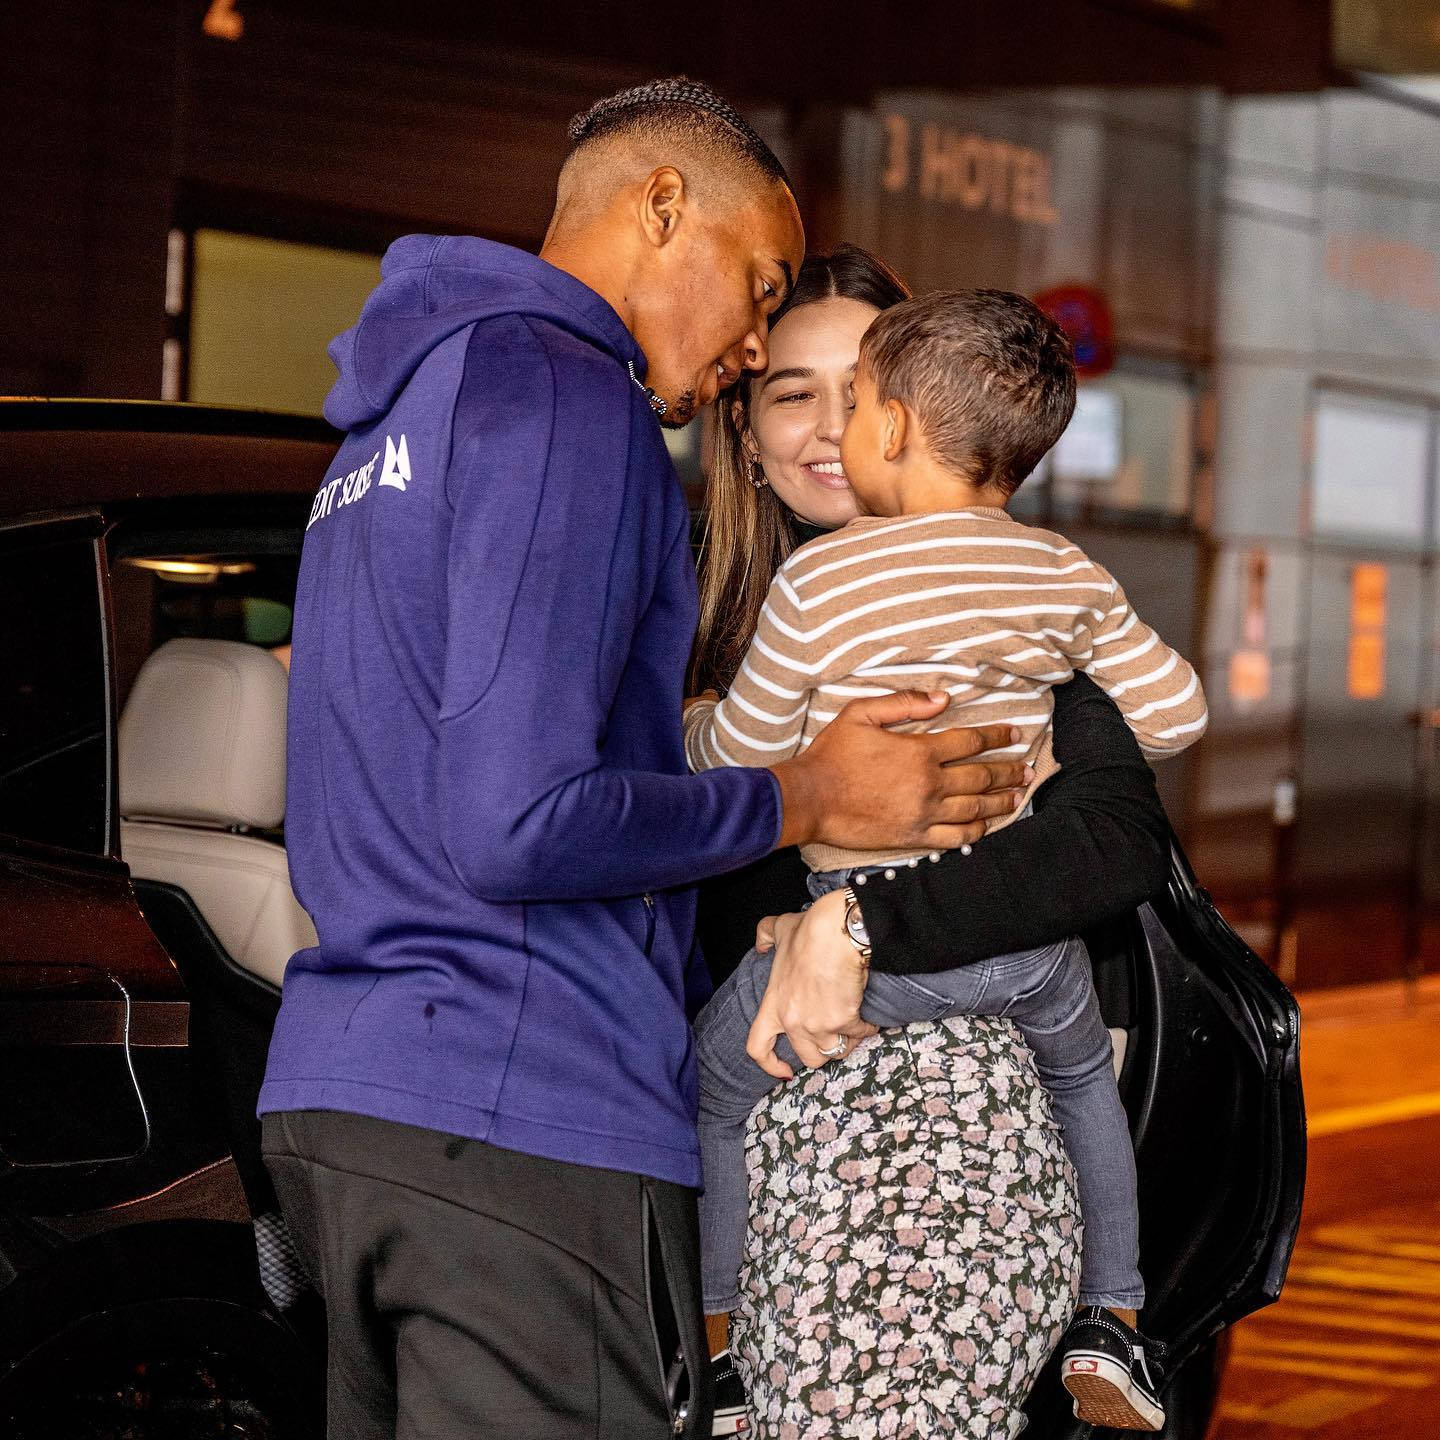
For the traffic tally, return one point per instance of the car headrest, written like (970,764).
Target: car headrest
(202,737)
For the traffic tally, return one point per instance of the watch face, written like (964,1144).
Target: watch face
(855,924)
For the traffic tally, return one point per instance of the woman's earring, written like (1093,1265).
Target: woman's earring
(757,475)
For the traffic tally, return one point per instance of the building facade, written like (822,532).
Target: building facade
(200,193)
(1319,606)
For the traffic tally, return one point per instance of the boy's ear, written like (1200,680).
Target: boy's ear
(897,429)
(663,199)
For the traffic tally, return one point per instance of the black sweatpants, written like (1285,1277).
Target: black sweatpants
(478,1292)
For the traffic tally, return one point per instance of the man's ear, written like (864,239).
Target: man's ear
(897,429)
(663,199)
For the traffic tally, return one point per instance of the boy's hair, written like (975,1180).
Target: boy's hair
(678,110)
(989,375)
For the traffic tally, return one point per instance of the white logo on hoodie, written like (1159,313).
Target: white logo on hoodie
(396,470)
(347,489)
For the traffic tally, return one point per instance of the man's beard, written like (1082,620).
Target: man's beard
(680,412)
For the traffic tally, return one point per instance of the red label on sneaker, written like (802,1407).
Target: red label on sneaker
(1088,1366)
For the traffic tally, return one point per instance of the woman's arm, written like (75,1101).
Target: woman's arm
(1097,845)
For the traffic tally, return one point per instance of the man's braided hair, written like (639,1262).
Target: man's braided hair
(678,104)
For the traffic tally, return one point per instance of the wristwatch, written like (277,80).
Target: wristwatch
(855,929)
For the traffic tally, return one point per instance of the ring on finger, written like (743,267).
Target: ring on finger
(836,1050)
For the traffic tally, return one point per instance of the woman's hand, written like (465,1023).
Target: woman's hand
(765,932)
(816,984)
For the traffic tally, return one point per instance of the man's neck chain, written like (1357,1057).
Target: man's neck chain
(658,405)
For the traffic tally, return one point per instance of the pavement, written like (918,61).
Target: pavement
(1352,1349)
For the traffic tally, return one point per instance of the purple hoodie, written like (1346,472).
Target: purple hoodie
(488,814)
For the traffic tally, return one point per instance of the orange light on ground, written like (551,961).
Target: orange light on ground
(1365,672)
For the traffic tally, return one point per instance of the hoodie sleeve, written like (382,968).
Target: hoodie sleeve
(558,545)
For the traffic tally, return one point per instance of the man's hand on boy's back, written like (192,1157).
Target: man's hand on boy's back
(860,786)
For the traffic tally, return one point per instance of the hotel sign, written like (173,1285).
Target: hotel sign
(1028,190)
(967,169)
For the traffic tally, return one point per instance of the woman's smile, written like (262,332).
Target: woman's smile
(828,473)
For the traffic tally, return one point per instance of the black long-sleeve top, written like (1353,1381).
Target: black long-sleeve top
(1097,845)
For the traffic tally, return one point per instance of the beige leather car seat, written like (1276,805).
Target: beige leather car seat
(202,760)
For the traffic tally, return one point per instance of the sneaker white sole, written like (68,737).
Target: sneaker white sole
(1104,1393)
(731,1422)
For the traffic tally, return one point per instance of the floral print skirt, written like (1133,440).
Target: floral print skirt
(914,1245)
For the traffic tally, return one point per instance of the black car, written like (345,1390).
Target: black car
(145,916)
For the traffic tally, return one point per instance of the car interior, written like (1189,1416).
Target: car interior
(202,636)
(202,794)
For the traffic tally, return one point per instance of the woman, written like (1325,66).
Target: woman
(912,1253)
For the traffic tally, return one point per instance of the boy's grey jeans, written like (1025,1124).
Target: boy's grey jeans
(1048,993)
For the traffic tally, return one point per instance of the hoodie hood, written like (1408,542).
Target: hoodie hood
(431,287)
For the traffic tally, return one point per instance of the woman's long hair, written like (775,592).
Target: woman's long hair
(748,533)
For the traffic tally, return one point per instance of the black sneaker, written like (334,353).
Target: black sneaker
(732,1402)
(1112,1372)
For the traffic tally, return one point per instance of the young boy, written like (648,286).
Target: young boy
(935,587)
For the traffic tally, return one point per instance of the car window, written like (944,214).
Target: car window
(53,696)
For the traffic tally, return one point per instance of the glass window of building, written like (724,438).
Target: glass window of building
(1371,470)
(261,314)
(1129,448)
(54,705)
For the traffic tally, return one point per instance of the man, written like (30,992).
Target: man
(479,1107)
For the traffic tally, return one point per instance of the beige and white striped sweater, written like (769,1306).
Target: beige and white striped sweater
(971,602)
